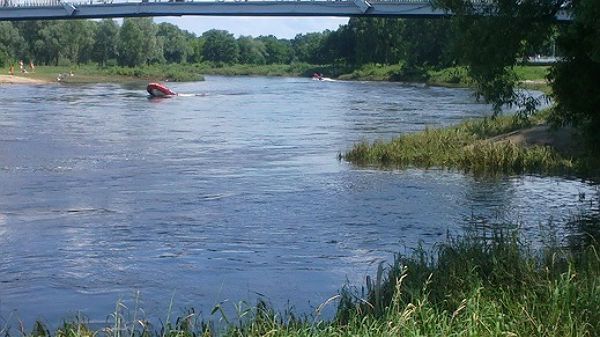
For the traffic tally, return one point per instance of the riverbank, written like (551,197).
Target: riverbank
(504,145)
(96,74)
(532,77)
(11,79)
(487,283)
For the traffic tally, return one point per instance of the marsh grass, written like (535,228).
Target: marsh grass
(465,147)
(487,283)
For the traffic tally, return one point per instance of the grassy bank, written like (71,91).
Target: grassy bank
(485,284)
(96,74)
(471,147)
(172,72)
(292,70)
(454,76)
(529,76)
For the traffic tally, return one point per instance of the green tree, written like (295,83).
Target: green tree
(309,47)
(219,46)
(77,40)
(137,43)
(30,31)
(251,51)
(105,41)
(176,47)
(575,78)
(339,46)
(48,45)
(492,36)
(428,42)
(278,51)
(378,40)
(196,46)
(12,44)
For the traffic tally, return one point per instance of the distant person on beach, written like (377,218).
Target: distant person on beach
(31,66)
(11,70)
(21,66)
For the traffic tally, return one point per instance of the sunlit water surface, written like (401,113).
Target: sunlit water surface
(232,191)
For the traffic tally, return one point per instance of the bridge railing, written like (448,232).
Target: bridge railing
(59,3)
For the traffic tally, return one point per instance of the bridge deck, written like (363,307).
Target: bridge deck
(56,9)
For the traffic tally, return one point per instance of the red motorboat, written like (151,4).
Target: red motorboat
(159,90)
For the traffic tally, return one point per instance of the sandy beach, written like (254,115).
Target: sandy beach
(10,79)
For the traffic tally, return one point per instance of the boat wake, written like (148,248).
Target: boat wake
(324,79)
(191,95)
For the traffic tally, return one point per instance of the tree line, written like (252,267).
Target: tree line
(140,41)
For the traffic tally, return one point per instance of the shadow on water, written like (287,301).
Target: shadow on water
(584,231)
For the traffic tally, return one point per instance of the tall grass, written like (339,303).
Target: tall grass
(494,286)
(465,147)
(483,284)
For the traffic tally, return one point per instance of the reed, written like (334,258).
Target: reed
(490,285)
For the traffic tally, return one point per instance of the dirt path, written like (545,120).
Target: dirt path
(562,139)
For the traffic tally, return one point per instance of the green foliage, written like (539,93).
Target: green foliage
(277,51)
(465,147)
(176,47)
(492,36)
(171,72)
(451,75)
(484,284)
(294,69)
(251,51)
(375,72)
(137,44)
(378,40)
(428,42)
(339,46)
(574,79)
(219,46)
(531,73)
(105,41)
(12,44)
(49,43)
(309,47)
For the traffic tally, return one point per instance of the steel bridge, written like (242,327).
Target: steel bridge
(13,10)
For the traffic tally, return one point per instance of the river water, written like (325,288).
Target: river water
(232,192)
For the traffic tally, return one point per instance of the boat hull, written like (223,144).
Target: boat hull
(159,90)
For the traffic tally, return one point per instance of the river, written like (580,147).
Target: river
(232,191)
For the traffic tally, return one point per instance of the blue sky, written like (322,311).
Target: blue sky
(282,27)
